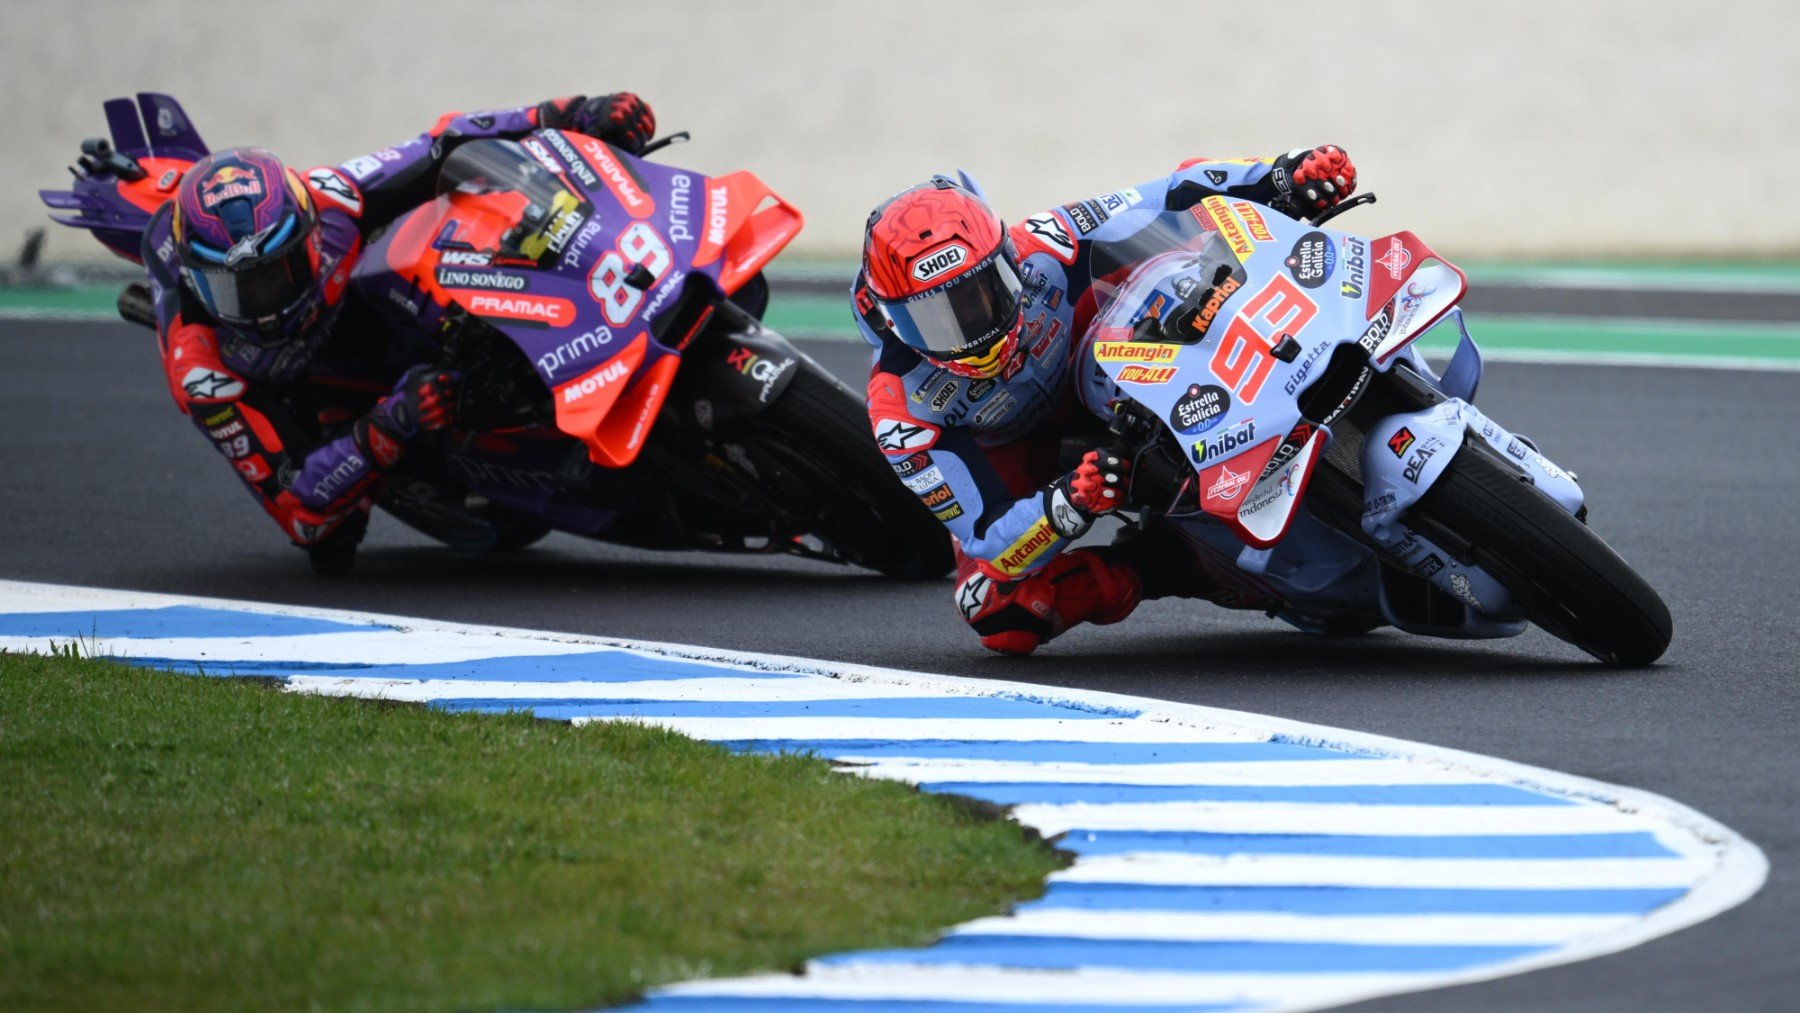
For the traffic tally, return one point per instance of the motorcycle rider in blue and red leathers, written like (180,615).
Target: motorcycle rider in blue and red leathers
(975,329)
(265,350)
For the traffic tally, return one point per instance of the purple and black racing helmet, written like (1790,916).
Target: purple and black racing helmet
(247,234)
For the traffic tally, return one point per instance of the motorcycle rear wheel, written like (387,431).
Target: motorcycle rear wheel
(819,430)
(1566,578)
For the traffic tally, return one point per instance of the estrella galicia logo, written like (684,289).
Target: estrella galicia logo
(1200,409)
(1312,259)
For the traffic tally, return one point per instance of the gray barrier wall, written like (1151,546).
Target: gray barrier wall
(1527,128)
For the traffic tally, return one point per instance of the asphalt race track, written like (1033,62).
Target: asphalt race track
(106,485)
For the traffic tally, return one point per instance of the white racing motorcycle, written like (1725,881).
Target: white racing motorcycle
(1259,373)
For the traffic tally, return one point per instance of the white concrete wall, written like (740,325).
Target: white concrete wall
(1534,127)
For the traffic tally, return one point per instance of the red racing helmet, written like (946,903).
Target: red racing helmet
(945,277)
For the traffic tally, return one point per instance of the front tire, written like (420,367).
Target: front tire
(1566,578)
(819,429)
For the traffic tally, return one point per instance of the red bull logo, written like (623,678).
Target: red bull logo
(230,181)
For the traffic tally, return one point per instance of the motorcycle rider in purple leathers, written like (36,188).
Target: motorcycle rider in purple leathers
(265,348)
(974,386)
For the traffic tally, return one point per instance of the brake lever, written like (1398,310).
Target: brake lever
(1337,209)
(663,142)
(1131,435)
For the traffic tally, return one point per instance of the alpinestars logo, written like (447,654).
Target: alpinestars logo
(972,595)
(1049,230)
(895,436)
(328,182)
(202,384)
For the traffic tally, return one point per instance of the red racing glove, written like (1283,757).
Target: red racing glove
(1096,486)
(621,119)
(1310,180)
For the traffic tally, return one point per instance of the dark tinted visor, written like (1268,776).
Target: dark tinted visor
(256,288)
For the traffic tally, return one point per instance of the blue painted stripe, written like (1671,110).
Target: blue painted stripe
(919,707)
(1046,751)
(587,666)
(1354,900)
(168,622)
(785,1004)
(1056,952)
(1642,844)
(1048,793)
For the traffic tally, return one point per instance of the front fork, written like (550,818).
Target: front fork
(1404,455)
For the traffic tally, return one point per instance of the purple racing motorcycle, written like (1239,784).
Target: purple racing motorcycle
(604,312)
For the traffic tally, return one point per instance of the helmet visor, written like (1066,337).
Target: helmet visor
(256,288)
(962,316)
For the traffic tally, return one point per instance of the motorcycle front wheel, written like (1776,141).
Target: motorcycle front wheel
(1566,578)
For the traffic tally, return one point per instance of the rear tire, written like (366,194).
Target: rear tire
(819,428)
(1566,578)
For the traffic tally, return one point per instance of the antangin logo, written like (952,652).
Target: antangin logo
(1032,544)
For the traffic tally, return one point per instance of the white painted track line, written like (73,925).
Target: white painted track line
(1420,930)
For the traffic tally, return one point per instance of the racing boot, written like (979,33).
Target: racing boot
(335,554)
(1079,586)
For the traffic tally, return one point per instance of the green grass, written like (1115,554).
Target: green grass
(171,841)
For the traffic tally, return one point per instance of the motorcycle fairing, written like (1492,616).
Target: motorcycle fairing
(741,372)
(1303,286)
(153,130)
(756,224)
(1414,284)
(572,295)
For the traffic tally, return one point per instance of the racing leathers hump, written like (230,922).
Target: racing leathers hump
(984,455)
